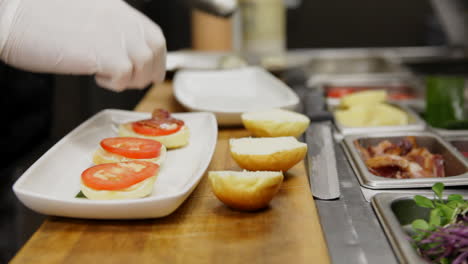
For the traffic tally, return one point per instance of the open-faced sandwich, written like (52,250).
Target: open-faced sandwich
(162,127)
(118,149)
(122,180)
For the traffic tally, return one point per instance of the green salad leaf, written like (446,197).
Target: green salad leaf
(442,237)
(438,189)
(420,225)
(455,197)
(435,217)
(423,201)
(80,195)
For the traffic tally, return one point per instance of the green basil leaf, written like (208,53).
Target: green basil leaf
(81,195)
(455,197)
(420,224)
(444,261)
(447,212)
(435,217)
(454,204)
(438,188)
(423,201)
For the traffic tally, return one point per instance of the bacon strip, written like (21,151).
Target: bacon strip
(401,160)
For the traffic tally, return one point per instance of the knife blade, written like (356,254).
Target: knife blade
(321,161)
(216,60)
(196,60)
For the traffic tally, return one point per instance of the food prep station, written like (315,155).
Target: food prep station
(363,216)
(357,213)
(377,209)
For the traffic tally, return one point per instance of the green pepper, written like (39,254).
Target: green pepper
(445,102)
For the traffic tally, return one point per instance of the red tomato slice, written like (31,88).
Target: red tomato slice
(118,176)
(160,124)
(151,128)
(465,154)
(338,92)
(134,148)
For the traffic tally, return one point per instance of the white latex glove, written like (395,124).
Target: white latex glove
(108,38)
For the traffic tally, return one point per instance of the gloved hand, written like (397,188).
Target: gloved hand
(108,38)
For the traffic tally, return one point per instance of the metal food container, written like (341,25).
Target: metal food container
(396,212)
(324,69)
(415,124)
(394,86)
(449,132)
(441,131)
(460,144)
(456,166)
(353,65)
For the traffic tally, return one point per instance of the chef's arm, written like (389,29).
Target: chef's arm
(107,38)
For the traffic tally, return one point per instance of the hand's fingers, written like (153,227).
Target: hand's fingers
(142,59)
(155,40)
(116,76)
(159,67)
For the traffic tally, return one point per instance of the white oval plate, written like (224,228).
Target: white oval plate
(229,93)
(50,185)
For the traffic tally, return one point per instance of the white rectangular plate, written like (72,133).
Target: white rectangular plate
(229,93)
(50,185)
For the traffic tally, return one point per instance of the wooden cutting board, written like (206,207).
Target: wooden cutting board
(202,230)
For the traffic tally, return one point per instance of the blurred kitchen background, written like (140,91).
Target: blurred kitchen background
(40,109)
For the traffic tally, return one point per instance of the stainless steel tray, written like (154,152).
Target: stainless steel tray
(315,80)
(368,193)
(326,68)
(459,143)
(456,166)
(448,132)
(441,131)
(397,211)
(353,65)
(415,124)
(410,85)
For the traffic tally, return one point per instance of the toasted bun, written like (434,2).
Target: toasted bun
(175,140)
(275,123)
(267,154)
(138,190)
(245,190)
(103,156)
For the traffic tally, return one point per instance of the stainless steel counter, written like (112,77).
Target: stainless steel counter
(351,227)
(352,230)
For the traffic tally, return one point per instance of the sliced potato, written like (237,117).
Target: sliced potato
(364,98)
(372,115)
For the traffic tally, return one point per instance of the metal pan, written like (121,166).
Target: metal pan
(441,131)
(323,69)
(459,143)
(316,80)
(456,167)
(415,124)
(449,132)
(409,86)
(395,213)
(353,65)
(368,193)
